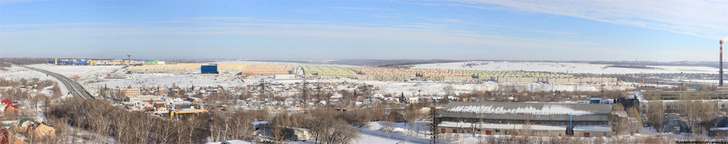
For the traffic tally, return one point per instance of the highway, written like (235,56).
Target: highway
(73,87)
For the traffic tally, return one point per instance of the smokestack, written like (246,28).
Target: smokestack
(720,72)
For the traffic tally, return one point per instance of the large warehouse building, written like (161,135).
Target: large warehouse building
(506,118)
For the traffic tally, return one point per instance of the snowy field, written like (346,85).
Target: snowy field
(396,132)
(366,138)
(167,80)
(18,73)
(294,64)
(92,77)
(81,71)
(564,67)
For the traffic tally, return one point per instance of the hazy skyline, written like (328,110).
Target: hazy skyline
(504,30)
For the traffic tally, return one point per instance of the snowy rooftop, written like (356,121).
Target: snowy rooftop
(521,126)
(528,108)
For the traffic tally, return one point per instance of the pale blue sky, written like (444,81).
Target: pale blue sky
(503,30)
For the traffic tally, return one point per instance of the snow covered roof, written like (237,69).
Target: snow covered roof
(521,126)
(232,142)
(499,126)
(259,122)
(528,108)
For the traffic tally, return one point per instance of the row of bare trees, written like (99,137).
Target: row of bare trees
(26,60)
(4,66)
(697,113)
(541,96)
(326,125)
(331,127)
(234,125)
(127,127)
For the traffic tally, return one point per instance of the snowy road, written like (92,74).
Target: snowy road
(73,87)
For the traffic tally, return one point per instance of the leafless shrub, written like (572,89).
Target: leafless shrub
(75,77)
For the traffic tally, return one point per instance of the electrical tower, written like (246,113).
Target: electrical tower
(129,60)
(434,124)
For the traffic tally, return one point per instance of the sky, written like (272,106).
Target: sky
(590,30)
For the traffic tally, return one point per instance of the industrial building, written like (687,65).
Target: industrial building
(156,63)
(208,69)
(546,119)
(131,92)
(90,62)
(268,69)
(673,95)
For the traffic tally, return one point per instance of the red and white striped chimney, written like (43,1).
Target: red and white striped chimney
(720,72)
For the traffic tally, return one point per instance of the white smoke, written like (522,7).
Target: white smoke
(724,40)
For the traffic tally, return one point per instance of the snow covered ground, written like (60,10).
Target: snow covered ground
(294,64)
(167,80)
(564,67)
(232,142)
(17,73)
(92,77)
(366,138)
(395,132)
(82,71)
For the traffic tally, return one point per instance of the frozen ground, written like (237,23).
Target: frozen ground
(288,63)
(92,77)
(17,73)
(366,138)
(395,132)
(167,80)
(565,67)
(84,72)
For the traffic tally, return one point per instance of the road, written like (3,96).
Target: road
(73,87)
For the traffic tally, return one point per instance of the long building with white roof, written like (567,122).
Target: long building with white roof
(500,118)
(519,113)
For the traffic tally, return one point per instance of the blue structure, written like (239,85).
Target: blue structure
(208,69)
(63,63)
(595,101)
(80,63)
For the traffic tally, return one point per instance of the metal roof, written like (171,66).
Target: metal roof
(592,108)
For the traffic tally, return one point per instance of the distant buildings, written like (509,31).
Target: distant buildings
(90,62)
(131,92)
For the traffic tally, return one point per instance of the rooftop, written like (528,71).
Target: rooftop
(528,108)
(521,126)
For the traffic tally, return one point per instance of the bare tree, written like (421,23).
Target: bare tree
(341,133)
(655,114)
(696,112)
(280,124)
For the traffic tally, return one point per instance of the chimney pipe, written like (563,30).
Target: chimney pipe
(720,72)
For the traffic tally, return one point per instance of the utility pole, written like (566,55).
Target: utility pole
(305,95)
(434,125)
